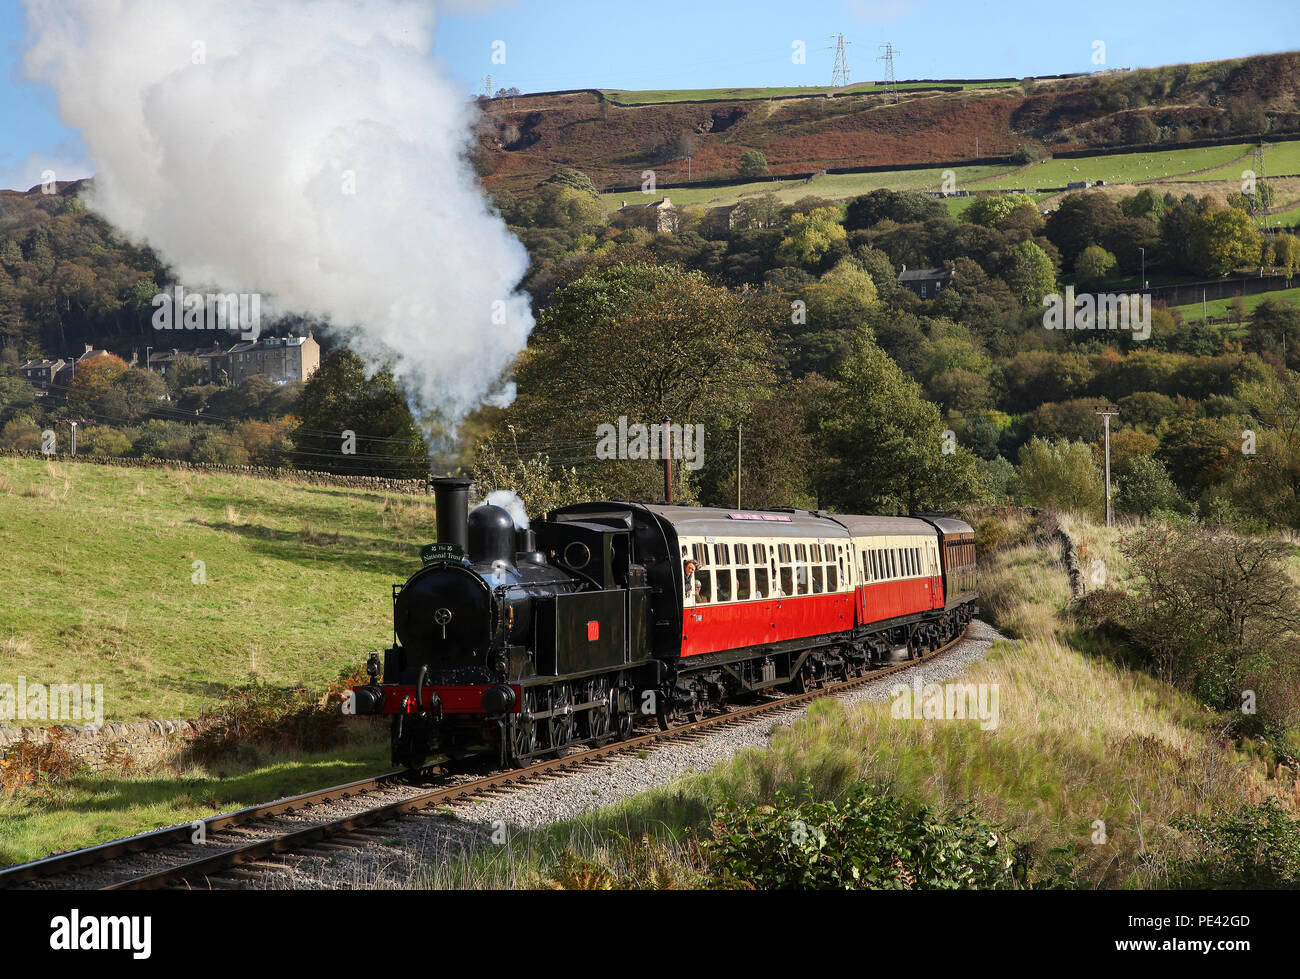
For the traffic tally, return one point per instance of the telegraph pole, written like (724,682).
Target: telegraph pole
(668,462)
(740,435)
(1110,511)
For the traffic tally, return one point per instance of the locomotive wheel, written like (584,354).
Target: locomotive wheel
(626,724)
(561,727)
(524,734)
(596,721)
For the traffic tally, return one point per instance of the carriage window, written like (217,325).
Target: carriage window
(832,578)
(760,583)
(742,585)
(866,567)
(722,553)
(787,581)
(783,553)
(742,553)
(801,579)
(818,585)
(892,554)
(801,552)
(760,554)
(875,567)
(724,586)
(701,554)
(705,580)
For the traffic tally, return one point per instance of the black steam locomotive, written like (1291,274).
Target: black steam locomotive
(526,641)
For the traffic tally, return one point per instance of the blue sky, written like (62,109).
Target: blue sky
(551,44)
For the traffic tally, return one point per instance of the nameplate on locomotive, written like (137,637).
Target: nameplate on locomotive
(432,553)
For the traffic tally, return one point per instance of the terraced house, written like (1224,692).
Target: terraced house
(282,359)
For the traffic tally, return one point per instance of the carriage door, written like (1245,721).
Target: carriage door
(936,578)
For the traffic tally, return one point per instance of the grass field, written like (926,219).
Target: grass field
(1226,163)
(1279,159)
(99,583)
(654,96)
(1223,307)
(836,186)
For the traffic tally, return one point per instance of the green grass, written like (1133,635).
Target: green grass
(835,186)
(94,808)
(1166,165)
(654,96)
(1223,307)
(98,582)
(1279,158)
(1123,167)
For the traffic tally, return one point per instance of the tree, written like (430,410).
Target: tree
(351,423)
(1224,240)
(93,392)
(1082,219)
(1143,487)
(885,444)
(992,210)
(762,211)
(1029,273)
(1093,265)
(142,392)
(1286,252)
(185,371)
(810,236)
(569,177)
(1060,474)
(642,342)
(905,207)
(753,165)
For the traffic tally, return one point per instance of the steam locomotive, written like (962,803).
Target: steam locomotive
(527,641)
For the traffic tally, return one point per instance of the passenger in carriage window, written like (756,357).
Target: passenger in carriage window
(692,585)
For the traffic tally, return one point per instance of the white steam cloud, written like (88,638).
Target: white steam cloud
(308,150)
(512,503)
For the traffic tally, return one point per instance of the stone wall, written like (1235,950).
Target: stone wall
(312,477)
(144,744)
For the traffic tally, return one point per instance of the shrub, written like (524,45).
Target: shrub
(1258,846)
(35,763)
(254,716)
(865,842)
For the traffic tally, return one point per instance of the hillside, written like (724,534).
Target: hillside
(614,136)
(104,589)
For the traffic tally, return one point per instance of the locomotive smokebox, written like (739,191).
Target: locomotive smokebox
(491,536)
(451,499)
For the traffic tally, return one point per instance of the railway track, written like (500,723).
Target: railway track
(241,858)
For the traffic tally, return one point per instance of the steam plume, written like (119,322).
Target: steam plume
(228,136)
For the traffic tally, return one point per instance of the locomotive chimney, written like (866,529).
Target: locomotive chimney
(451,500)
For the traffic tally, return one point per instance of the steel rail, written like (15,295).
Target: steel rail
(183,832)
(206,867)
